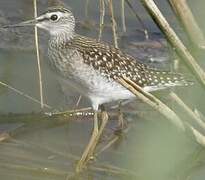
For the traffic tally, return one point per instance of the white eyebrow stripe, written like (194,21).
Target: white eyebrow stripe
(59,14)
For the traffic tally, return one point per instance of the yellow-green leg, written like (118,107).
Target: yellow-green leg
(90,148)
(121,123)
(104,120)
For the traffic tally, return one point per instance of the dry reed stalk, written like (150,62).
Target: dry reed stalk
(70,112)
(78,102)
(110,169)
(193,116)
(180,48)
(38,57)
(163,110)
(199,114)
(86,8)
(4,136)
(102,15)
(114,24)
(123,15)
(24,94)
(33,169)
(138,19)
(198,137)
(153,102)
(184,13)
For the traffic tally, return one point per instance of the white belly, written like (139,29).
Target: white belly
(96,87)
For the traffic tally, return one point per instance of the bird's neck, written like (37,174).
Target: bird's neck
(62,37)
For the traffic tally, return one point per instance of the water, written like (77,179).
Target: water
(48,148)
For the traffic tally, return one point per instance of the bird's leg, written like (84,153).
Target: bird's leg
(95,124)
(104,120)
(120,116)
(96,134)
(86,154)
(121,121)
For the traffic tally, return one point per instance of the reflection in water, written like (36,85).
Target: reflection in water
(48,148)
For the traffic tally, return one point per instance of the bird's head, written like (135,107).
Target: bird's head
(56,20)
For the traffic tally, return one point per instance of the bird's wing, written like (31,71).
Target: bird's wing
(113,63)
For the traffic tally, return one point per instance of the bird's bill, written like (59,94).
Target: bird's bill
(23,24)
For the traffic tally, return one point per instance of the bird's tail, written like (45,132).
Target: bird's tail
(164,79)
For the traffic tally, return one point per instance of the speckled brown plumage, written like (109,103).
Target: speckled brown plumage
(113,63)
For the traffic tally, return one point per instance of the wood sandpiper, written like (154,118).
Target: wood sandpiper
(92,67)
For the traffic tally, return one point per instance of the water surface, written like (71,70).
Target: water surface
(48,148)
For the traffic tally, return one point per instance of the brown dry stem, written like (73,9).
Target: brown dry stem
(153,102)
(102,16)
(163,110)
(114,24)
(23,94)
(145,30)
(193,116)
(123,15)
(180,48)
(184,13)
(38,57)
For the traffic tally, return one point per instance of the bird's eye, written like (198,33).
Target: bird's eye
(54,17)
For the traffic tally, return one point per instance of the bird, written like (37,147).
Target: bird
(92,67)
